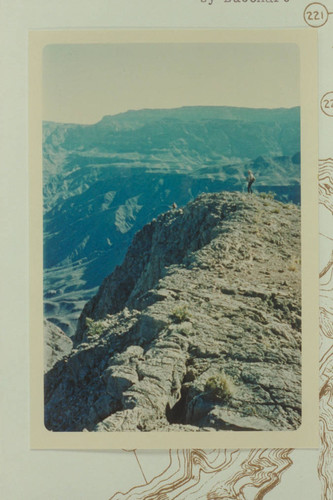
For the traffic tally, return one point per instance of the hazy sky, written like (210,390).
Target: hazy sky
(82,83)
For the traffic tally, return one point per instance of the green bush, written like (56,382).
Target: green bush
(220,387)
(180,314)
(95,328)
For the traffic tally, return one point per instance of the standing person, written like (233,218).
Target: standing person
(250,180)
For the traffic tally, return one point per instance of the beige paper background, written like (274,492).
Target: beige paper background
(36,475)
(307,435)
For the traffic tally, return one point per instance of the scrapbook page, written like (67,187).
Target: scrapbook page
(177,346)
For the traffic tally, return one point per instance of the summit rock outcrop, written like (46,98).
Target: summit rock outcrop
(199,329)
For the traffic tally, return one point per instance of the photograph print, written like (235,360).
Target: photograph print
(172,237)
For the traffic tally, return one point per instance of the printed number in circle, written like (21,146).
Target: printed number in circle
(316,15)
(326,104)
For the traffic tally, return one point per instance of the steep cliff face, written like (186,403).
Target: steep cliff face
(198,329)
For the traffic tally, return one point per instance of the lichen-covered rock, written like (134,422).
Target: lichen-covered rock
(198,329)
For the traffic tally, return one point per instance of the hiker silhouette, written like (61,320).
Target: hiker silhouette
(250,180)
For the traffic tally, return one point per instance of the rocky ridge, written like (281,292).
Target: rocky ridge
(198,329)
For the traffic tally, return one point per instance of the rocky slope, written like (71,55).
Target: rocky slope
(198,329)
(104,182)
(57,345)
